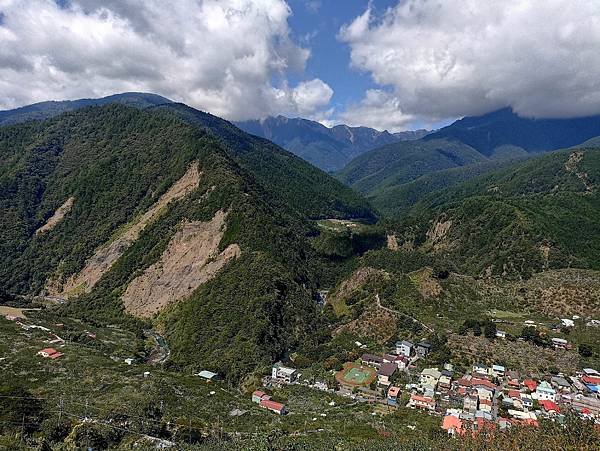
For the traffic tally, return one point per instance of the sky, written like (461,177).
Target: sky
(387,64)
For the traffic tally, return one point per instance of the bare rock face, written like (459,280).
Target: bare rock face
(190,259)
(392,242)
(105,256)
(58,216)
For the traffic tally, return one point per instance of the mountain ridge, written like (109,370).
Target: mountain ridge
(328,148)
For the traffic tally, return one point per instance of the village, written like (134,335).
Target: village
(484,397)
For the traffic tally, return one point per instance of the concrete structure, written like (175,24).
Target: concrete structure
(421,402)
(545,392)
(422,349)
(283,374)
(208,375)
(404,348)
(430,376)
(392,395)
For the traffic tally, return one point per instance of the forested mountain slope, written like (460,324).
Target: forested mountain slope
(45,110)
(112,206)
(533,215)
(394,176)
(402,162)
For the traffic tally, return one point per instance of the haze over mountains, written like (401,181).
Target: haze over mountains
(327,148)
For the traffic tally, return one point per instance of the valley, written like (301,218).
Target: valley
(162,261)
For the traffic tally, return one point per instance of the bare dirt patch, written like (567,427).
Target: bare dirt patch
(190,259)
(353,286)
(108,254)
(426,284)
(571,166)
(436,235)
(13,311)
(58,216)
(392,242)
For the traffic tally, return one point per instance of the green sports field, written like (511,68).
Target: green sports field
(354,374)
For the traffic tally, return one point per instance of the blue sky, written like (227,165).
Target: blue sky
(330,59)
(387,64)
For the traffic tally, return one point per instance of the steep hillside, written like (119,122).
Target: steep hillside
(397,199)
(45,110)
(287,178)
(167,216)
(403,162)
(534,215)
(493,131)
(327,148)
(394,176)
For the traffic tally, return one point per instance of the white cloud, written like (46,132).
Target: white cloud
(229,57)
(379,109)
(462,57)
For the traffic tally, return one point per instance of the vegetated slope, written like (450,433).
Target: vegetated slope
(45,110)
(287,178)
(396,200)
(117,162)
(388,175)
(403,162)
(534,215)
(491,131)
(327,148)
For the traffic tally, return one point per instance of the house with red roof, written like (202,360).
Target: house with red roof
(530,384)
(392,395)
(549,407)
(483,383)
(258,396)
(452,425)
(273,406)
(50,353)
(422,402)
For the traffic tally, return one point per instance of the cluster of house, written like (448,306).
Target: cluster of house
(265,401)
(491,397)
(403,354)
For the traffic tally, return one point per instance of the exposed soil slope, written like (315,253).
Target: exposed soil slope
(109,253)
(189,260)
(58,215)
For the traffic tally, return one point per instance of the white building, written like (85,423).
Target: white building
(404,348)
(283,374)
(544,391)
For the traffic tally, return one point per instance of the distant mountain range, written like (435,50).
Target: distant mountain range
(327,148)
(396,175)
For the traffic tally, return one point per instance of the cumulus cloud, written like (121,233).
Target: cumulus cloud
(453,58)
(379,109)
(230,57)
